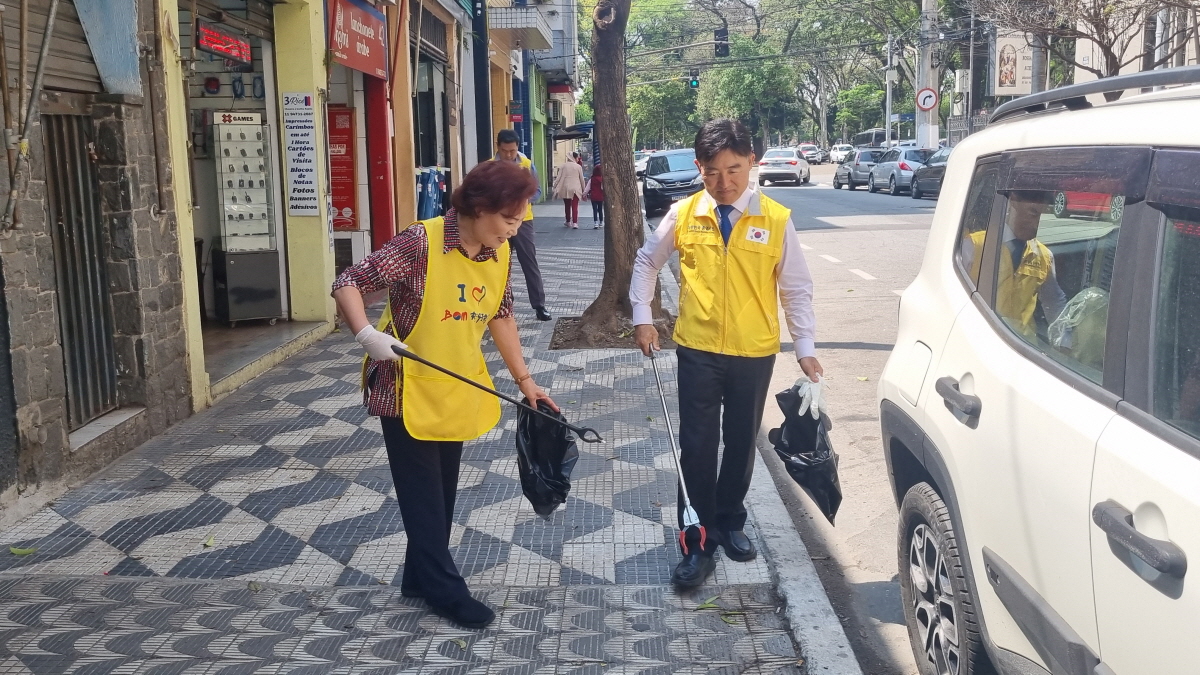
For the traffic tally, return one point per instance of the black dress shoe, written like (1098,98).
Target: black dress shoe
(738,546)
(466,612)
(411,592)
(693,570)
(542,314)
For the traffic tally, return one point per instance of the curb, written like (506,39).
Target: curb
(813,623)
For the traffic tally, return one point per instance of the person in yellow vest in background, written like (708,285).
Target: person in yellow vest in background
(739,259)
(447,279)
(507,142)
(1025,273)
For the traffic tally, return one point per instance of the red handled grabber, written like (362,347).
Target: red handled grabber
(690,517)
(582,431)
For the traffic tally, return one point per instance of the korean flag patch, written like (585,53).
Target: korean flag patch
(758,235)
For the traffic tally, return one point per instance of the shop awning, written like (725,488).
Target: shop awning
(573,132)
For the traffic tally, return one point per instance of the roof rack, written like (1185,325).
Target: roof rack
(1072,97)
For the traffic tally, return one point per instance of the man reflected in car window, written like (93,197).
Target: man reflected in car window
(1026,273)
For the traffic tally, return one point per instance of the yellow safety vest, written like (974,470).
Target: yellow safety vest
(461,297)
(729,295)
(1017,290)
(527,164)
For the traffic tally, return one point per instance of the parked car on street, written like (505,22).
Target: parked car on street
(927,179)
(1040,412)
(856,168)
(837,154)
(639,162)
(670,176)
(783,164)
(812,153)
(894,170)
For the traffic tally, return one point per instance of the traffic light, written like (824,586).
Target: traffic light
(721,37)
(694,83)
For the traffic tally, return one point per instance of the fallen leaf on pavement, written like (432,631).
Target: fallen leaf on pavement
(254,586)
(728,617)
(21,551)
(210,542)
(462,644)
(649,418)
(861,379)
(708,604)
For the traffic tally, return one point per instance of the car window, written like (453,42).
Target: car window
(778,154)
(921,156)
(656,165)
(849,157)
(939,156)
(1177,323)
(680,162)
(1054,271)
(976,216)
(868,155)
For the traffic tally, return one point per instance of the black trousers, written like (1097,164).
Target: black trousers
(525,248)
(425,474)
(721,398)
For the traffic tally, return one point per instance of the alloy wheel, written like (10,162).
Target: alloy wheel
(933,602)
(1116,208)
(1060,205)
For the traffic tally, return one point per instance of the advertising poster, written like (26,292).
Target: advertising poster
(1012,65)
(300,155)
(342,174)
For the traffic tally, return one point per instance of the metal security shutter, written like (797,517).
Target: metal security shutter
(70,66)
(80,262)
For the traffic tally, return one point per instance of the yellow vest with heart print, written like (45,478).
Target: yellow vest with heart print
(527,164)
(461,297)
(729,294)
(1017,290)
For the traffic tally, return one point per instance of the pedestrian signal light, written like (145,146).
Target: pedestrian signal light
(694,82)
(721,37)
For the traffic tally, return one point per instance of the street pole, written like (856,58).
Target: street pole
(971,70)
(927,120)
(1039,64)
(887,105)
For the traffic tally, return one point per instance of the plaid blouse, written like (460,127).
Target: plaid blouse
(400,267)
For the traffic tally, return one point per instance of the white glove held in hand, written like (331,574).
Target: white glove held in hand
(379,345)
(810,396)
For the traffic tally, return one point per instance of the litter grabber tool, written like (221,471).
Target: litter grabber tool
(690,517)
(582,431)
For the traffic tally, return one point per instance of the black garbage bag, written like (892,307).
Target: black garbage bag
(803,445)
(546,455)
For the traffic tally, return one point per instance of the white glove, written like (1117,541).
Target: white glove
(810,396)
(379,345)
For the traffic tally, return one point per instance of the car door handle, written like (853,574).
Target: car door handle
(1117,523)
(947,388)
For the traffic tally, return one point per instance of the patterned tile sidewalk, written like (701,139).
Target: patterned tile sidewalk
(263,536)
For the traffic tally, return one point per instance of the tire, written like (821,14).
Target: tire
(938,608)
(805,179)
(837,184)
(893,188)
(871,184)
(915,190)
(1060,205)
(1116,208)
(850,184)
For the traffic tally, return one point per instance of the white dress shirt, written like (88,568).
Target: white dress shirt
(795,282)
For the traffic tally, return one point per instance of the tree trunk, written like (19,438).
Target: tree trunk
(624,233)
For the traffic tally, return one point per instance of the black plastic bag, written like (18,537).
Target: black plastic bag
(803,445)
(546,455)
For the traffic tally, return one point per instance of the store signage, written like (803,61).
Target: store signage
(516,113)
(358,37)
(343,183)
(211,39)
(300,153)
(237,118)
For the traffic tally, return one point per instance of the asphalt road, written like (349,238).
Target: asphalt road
(863,250)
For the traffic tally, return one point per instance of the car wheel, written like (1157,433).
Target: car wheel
(806,178)
(871,184)
(1116,208)
(837,184)
(893,187)
(938,607)
(915,190)
(850,184)
(1060,205)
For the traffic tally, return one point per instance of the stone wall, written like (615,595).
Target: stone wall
(146,292)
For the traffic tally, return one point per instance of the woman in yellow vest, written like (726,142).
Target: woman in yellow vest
(739,260)
(447,279)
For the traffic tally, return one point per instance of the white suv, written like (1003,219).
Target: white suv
(1041,409)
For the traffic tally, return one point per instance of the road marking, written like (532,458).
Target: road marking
(898,292)
(806,247)
(831,259)
(863,274)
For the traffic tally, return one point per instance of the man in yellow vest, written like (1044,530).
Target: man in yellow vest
(1025,274)
(739,259)
(507,142)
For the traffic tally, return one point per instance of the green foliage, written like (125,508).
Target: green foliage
(662,113)
(584,112)
(860,107)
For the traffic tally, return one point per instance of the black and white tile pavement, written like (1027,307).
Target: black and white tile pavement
(285,485)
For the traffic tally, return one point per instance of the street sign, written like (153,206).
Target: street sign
(927,99)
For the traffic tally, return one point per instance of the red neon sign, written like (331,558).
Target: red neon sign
(211,39)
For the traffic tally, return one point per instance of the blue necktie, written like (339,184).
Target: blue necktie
(726,226)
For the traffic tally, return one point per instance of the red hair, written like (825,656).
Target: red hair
(493,187)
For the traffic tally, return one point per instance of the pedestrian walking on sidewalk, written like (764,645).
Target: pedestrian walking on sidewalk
(569,187)
(595,192)
(507,142)
(740,259)
(447,279)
